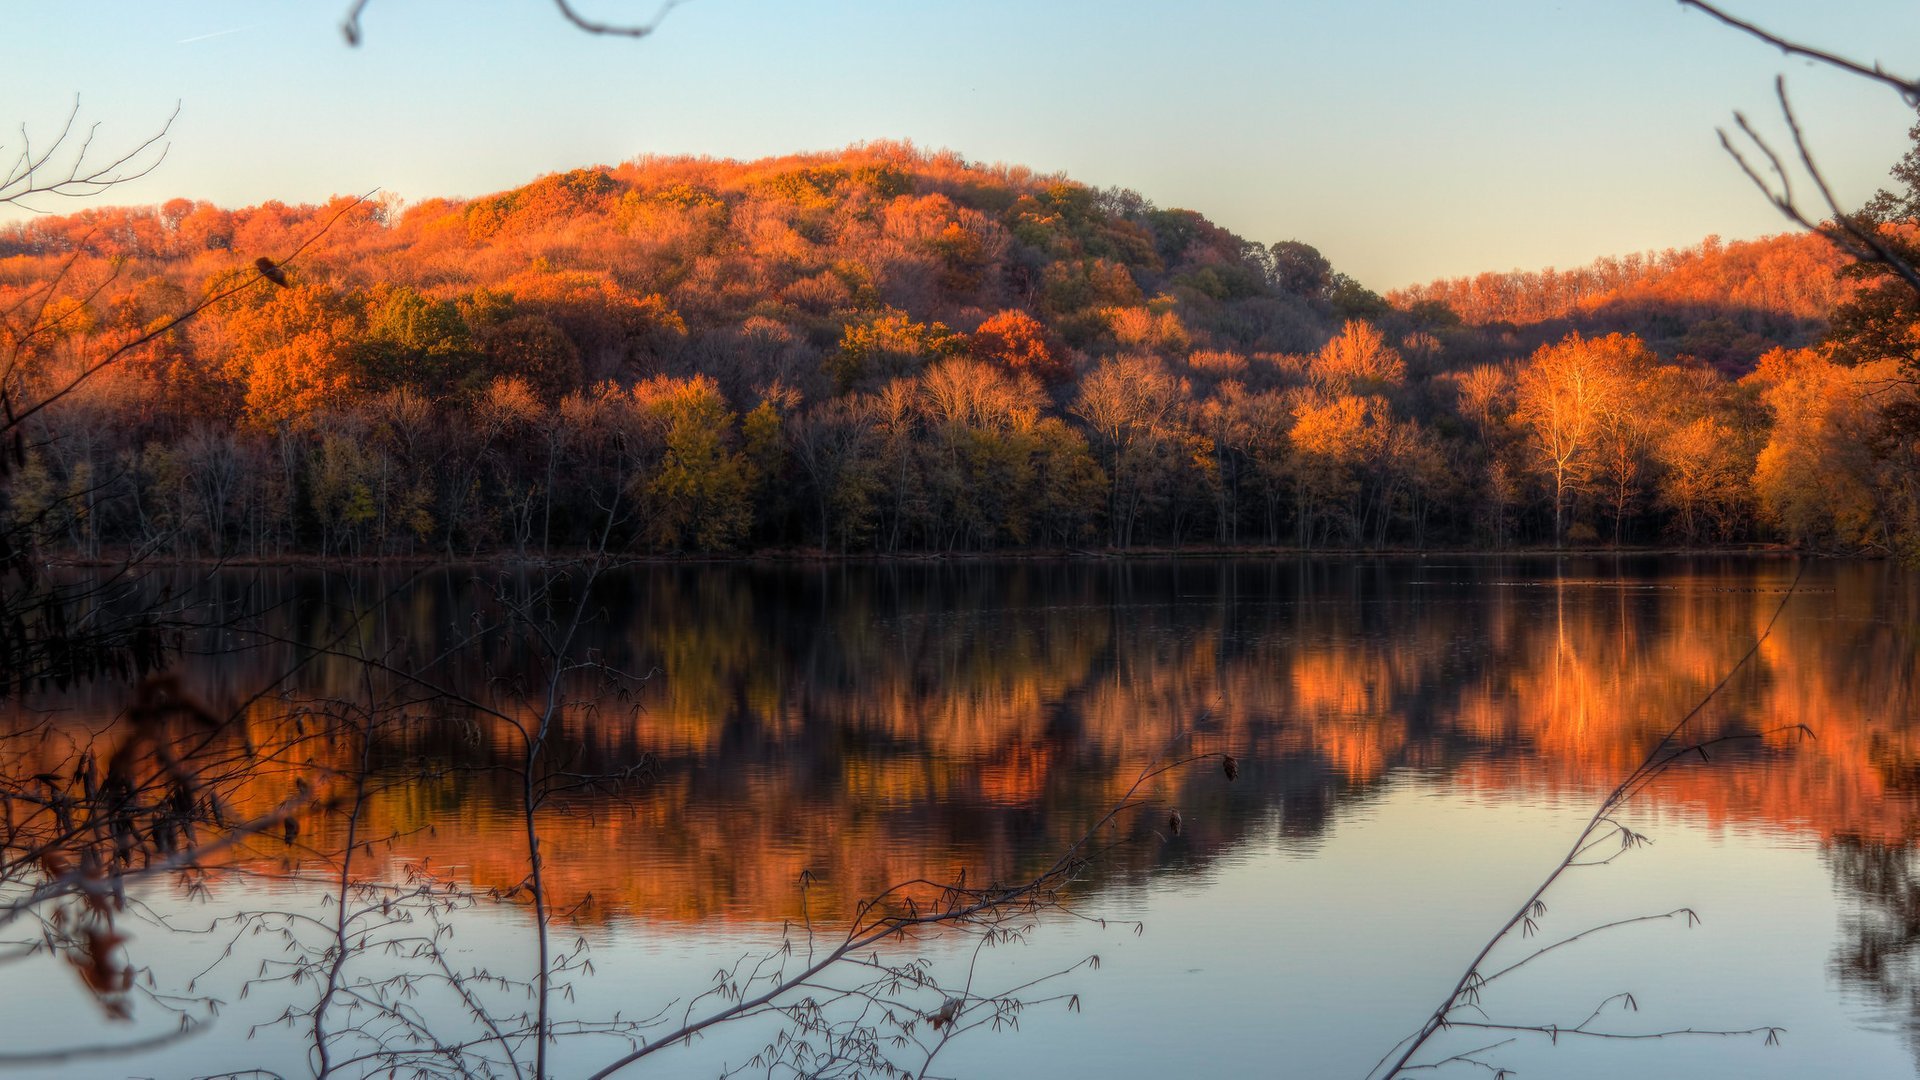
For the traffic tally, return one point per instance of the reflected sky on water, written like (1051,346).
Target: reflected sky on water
(1419,740)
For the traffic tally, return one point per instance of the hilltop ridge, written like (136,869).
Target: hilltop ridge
(890,349)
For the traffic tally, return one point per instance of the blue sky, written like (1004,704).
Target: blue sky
(1407,139)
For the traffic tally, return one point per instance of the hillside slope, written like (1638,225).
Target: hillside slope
(1724,303)
(885,350)
(749,272)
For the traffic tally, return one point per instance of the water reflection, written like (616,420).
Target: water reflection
(1879,952)
(867,724)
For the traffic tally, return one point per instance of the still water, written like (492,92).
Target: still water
(1418,741)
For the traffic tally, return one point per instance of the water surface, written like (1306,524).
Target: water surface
(1418,741)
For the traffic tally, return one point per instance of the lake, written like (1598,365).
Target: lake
(749,750)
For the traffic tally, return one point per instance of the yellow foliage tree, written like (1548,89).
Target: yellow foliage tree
(701,495)
(1564,396)
(1817,480)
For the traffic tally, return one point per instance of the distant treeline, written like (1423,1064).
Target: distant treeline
(892,350)
(1726,304)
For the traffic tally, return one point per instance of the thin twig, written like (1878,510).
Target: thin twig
(1909,89)
(1656,761)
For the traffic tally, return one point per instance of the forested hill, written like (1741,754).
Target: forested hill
(887,349)
(822,273)
(1726,304)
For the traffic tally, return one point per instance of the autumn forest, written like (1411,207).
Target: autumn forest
(892,350)
(1351,540)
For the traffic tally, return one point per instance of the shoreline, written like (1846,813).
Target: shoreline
(809,557)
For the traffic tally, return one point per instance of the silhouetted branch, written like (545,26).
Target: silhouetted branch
(233,284)
(351,25)
(44,634)
(1658,759)
(1860,241)
(1909,89)
(77,880)
(1771,1033)
(34,173)
(893,915)
(632,30)
(1687,913)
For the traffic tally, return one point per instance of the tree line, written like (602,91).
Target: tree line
(891,350)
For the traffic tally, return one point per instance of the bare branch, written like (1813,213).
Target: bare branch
(233,285)
(1909,89)
(1859,240)
(350,26)
(631,30)
(1660,757)
(34,174)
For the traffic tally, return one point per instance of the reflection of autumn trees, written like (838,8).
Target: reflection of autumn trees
(1879,950)
(869,724)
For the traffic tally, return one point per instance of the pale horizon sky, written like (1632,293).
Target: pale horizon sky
(1407,139)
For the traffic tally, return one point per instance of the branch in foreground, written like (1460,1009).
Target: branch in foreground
(981,910)
(350,26)
(34,173)
(263,270)
(1909,89)
(1662,756)
(1860,241)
